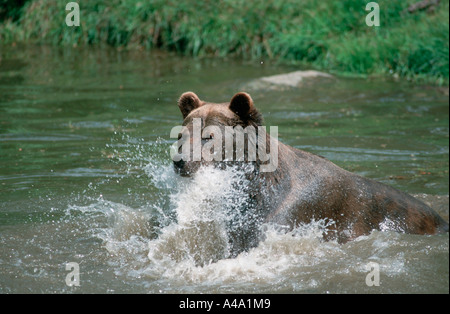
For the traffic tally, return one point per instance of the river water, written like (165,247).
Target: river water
(86,177)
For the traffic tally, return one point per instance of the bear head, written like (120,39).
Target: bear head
(203,139)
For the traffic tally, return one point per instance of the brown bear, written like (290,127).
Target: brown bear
(304,187)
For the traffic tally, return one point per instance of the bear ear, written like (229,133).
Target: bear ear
(242,105)
(188,102)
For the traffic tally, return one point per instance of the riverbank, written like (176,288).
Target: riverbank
(331,36)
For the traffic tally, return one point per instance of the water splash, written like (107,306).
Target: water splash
(180,241)
(206,208)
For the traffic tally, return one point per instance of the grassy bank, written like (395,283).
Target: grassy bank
(330,34)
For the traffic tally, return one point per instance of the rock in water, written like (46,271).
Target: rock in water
(287,80)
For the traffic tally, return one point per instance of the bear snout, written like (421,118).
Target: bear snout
(186,168)
(179,164)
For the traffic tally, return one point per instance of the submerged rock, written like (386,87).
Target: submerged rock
(284,81)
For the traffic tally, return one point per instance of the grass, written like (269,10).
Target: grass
(329,35)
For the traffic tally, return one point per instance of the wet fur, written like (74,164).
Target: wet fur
(308,187)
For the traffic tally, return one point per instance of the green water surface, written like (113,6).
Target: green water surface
(78,124)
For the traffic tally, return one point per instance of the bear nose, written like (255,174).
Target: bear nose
(179,164)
